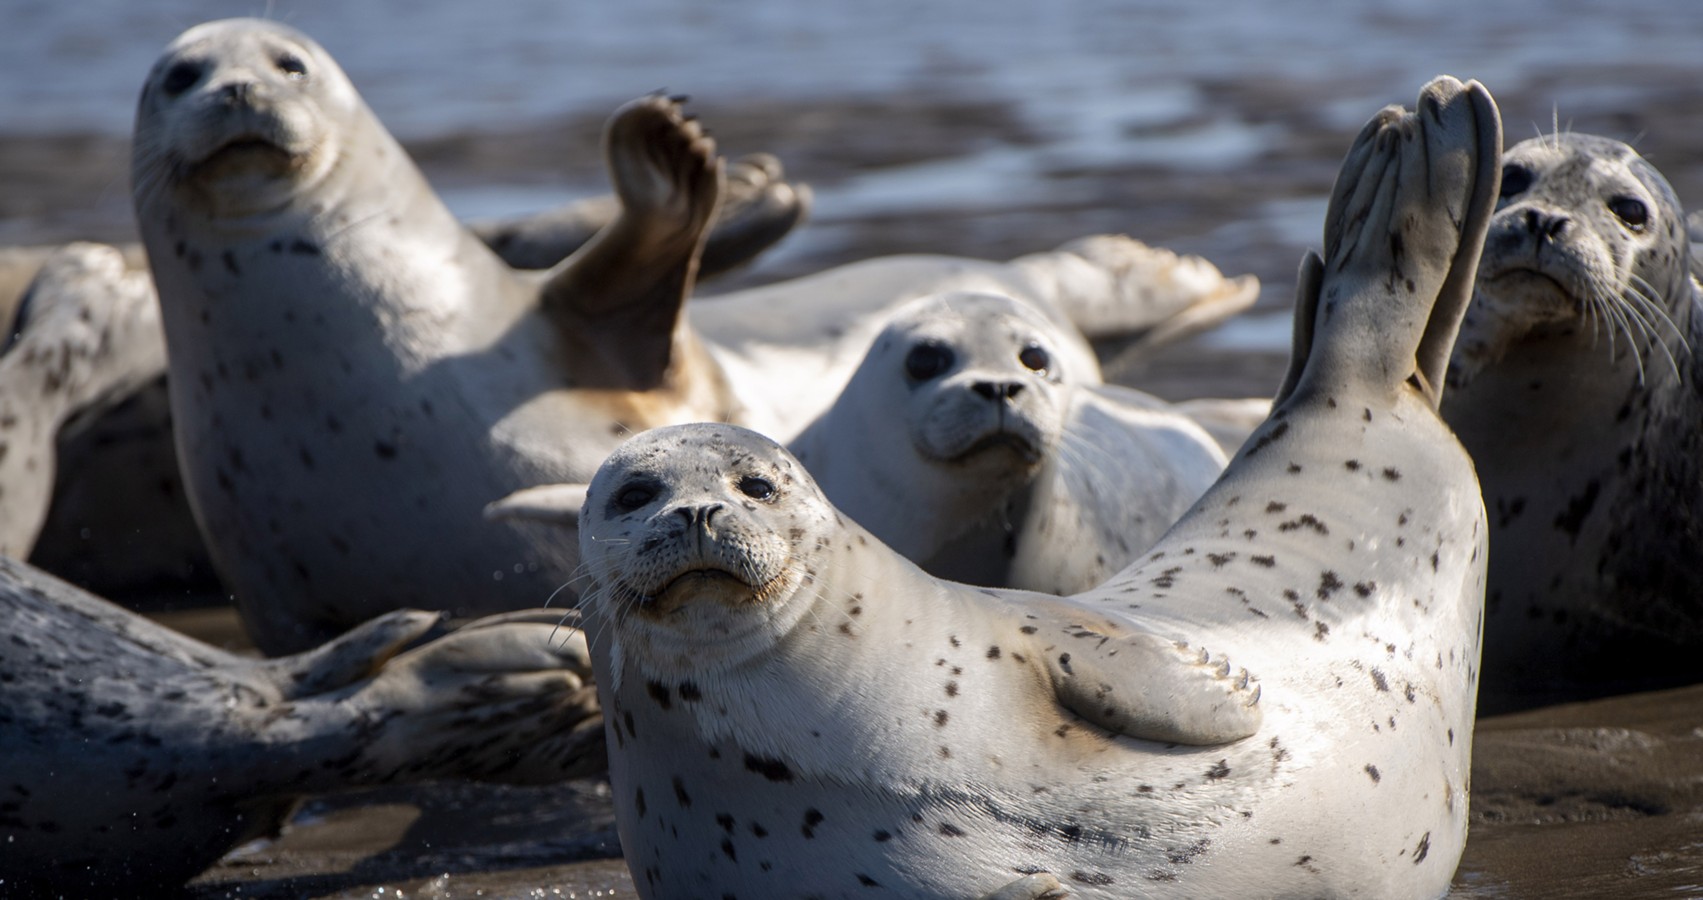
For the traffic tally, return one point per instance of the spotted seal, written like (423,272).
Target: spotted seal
(88,330)
(354,374)
(976,439)
(792,707)
(1578,389)
(136,756)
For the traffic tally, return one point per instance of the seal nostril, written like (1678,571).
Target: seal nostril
(709,513)
(997,390)
(237,94)
(1557,226)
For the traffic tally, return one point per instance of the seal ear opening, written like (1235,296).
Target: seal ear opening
(551,504)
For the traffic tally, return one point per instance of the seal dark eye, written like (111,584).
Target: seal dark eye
(1035,357)
(180,78)
(1632,211)
(292,67)
(927,360)
(1516,180)
(756,488)
(633,496)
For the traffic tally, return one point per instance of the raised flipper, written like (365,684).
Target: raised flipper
(552,504)
(1040,886)
(1136,683)
(758,208)
(1403,233)
(618,301)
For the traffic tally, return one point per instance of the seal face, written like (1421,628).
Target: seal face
(875,727)
(1574,386)
(975,439)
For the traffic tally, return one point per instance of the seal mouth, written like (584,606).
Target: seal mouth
(1018,445)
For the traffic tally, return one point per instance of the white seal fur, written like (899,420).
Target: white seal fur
(793,708)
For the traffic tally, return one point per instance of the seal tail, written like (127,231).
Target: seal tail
(1385,235)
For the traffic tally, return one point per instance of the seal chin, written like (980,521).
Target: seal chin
(1022,446)
(704,584)
(1533,286)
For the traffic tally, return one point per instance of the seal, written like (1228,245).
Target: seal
(354,375)
(136,756)
(792,707)
(87,330)
(1577,388)
(976,440)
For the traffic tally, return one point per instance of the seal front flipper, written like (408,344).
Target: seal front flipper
(1041,886)
(350,657)
(617,302)
(1139,684)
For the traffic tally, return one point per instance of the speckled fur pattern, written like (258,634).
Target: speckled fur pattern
(976,440)
(1576,387)
(1277,700)
(354,375)
(88,332)
(136,756)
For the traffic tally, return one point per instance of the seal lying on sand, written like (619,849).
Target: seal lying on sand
(793,708)
(1578,388)
(136,756)
(87,330)
(354,375)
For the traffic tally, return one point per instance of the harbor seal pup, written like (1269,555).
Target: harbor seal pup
(136,756)
(977,441)
(87,330)
(1576,387)
(354,375)
(793,708)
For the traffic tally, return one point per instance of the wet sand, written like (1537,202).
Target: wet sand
(1598,799)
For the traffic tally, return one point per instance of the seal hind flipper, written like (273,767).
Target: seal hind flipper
(1376,309)
(617,301)
(352,656)
(552,504)
(1136,683)
(759,207)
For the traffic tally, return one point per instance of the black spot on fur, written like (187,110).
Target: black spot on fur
(1423,850)
(772,769)
(1578,509)
(812,818)
(1373,772)
(659,693)
(1220,770)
